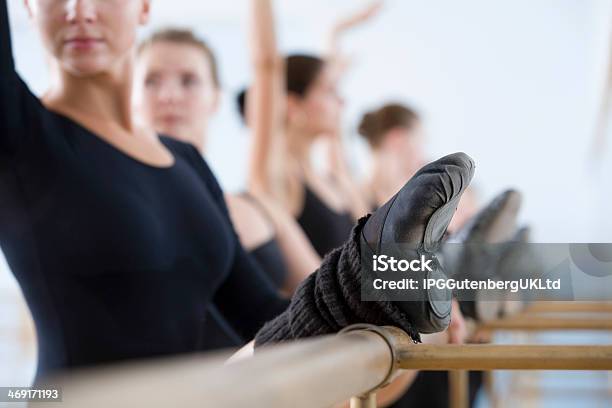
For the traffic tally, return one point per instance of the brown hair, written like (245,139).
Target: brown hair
(301,72)
(183,37)
(375,124)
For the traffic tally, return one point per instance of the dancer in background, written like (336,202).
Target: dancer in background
(177,89)
(396,138)
(293,103)
(395,135)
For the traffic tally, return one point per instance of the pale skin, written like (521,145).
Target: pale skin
(285,127)
(338,167)
(90,44)
(174,91)
(395,159)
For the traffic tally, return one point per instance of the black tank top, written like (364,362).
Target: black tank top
(268,254)
(325,228)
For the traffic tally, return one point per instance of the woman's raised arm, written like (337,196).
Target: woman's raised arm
(8,81)
(338,166)
(15,97)
(342,26)
(265,104)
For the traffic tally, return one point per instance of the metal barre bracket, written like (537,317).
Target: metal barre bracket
(388,338)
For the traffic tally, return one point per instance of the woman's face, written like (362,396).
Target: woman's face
(319,111)
(88,37)
(175,91)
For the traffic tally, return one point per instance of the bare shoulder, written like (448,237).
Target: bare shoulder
(251,224)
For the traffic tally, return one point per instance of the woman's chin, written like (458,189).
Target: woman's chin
(84,67)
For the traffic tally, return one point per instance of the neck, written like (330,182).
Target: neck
(298,147)
(105,96)
(387,176)
(200,141)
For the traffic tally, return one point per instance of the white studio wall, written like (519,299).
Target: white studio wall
(514,84)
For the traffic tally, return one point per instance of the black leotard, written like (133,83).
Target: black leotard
(117,259)
(270,259)
(325,228)
(219,333)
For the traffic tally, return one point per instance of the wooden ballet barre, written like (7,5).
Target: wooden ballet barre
(486,357)
(568,307)
(539,323)
(311,373)
(317,372)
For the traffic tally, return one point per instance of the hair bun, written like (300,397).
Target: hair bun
(375,124)
(368,125)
